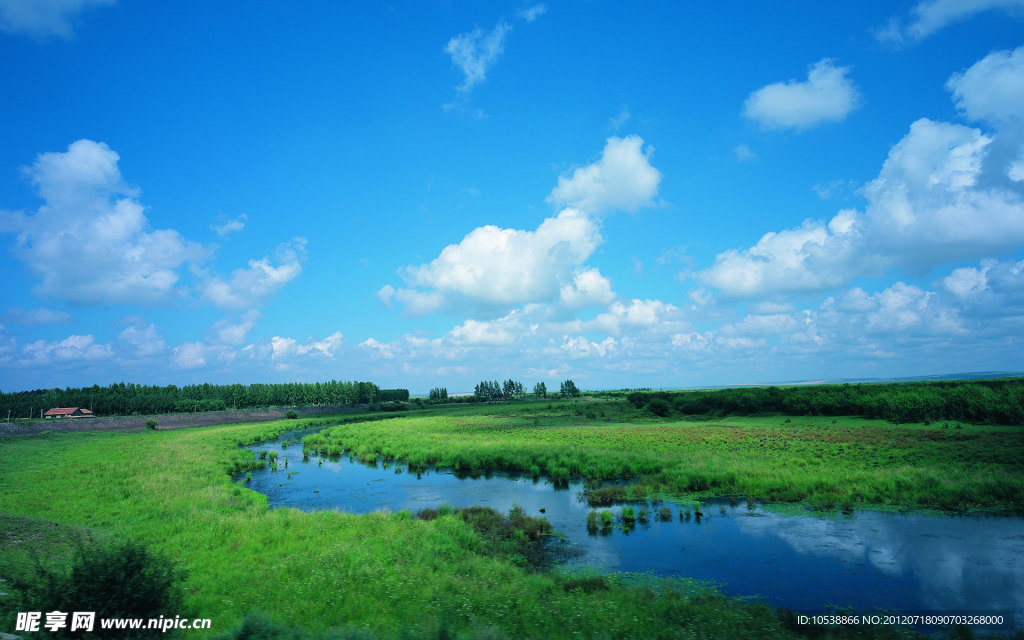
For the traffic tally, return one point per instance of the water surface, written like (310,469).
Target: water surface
(866,561)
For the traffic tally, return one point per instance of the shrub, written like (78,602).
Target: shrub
(151,424)
(659,407)
(291,415)
(118,580)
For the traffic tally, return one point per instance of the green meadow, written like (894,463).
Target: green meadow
(385,575)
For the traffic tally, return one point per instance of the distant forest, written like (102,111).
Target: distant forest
(999,401)
(127,399)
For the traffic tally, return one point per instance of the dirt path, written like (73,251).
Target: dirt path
(165,421)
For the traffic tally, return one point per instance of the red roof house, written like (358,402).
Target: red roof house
(72,412)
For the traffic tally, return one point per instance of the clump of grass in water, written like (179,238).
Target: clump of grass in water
(665,513)
(628,514)
(592,523)
(607,519)
(605,496)
(643,514)
(516,537)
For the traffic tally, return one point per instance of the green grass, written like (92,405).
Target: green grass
(819,461)
(387,573)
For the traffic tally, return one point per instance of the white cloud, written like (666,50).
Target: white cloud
(283,348)
(190,355)
(622,118)
(580,347)
(226,331)
(477,333)
(43,18)
(495,267)
(900,310)
(71,349)
(966,282)
(145,339)
(992,89)
(760,324)
(249,287)
(381,349)
(588,288)
(1015,171)
(826,96)
(476,52)
(654,316)
(931,204)
(91,241)
(622,179)
(744,154)
(930,16)
(36,316)
(811,257)
(226,226)
(532,13)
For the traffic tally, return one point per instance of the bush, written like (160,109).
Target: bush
(659,407)
(151,424)
(291,415)
(118,580)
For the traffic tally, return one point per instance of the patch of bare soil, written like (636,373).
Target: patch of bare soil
(165,421)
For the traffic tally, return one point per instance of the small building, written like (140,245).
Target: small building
(72,412)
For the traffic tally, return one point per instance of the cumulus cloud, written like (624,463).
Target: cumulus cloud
(91,241)
(285,348)
(930,203)
(588,288)
(901,310)
(580,347)
(73,349)
(810,257)
(493,333)
(930,16)
(934,201)
(827,95)
(636,315)
(992,89)
(145,339)
(497,267)
(251,286)
(44,18)
(474,53)
(190,355)
(228,331)
(622,179)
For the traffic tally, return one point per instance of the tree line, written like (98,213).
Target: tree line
(998,401)
(128,399)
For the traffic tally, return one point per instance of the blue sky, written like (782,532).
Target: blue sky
(433,193)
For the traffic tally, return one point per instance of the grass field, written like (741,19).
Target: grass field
(391,574)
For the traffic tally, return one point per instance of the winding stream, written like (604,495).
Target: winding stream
(866,561)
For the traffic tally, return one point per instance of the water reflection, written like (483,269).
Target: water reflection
(870,560)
